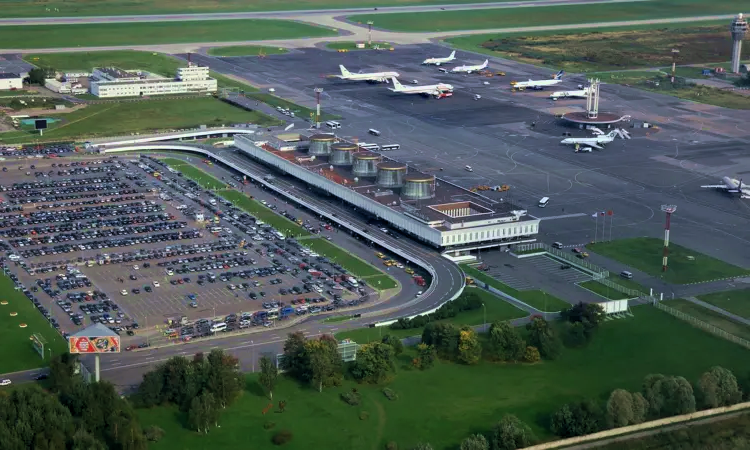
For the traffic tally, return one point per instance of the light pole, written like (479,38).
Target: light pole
(370,23)
(484,321)
(318,91)
(252,347)
(669,210)
(675,52)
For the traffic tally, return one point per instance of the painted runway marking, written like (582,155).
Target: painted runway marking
(564,216)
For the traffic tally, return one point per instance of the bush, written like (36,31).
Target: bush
(282,437)
(352,398)
(364,415)
(269,425)
(468,301)
(531,355)
(390,394)
(153,433)
(391,446)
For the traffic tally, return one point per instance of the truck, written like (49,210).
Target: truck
(286,311)
(419,280)
(268,178)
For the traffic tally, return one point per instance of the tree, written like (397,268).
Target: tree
(203,412)
(82,440)
(422,446)
(640,408)
(590,314)
(576,335)
(37,75)
(668,396)
(374,362)
(510,433)
(393,341)
(506,344)
(296,361)
(544,338)
(469,348)
(62,371)
(151,390)
(325,366)
(444,337)
(268,375)
(225,381)
(531,355)
(426,356)
(475,442)
(577,419)
(620,409)
(718,387)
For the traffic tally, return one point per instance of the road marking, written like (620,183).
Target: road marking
(565,216)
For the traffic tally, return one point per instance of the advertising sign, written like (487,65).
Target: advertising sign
(94,344)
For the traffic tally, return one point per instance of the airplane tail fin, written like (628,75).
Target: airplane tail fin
(344,72)
(559,75)
(486,63)
(396,85)
(453,55)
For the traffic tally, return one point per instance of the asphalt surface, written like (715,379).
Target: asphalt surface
(293,13)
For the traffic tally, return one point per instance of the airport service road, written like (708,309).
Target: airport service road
(293,14)
(633,178)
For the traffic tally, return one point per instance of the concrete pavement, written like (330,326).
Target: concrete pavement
(716,309)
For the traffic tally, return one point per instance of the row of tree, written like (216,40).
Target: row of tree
(468,301)
(202,387)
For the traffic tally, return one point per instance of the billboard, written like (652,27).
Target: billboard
(94,344)
(40,124)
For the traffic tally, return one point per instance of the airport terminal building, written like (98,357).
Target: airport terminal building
(111,82)
(430,209)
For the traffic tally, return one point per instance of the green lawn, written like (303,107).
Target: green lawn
(497,309)
(205,180)
(535,298)
(553,15)
(736,301)
(279,222)
(154,33)
(350,262)
(352,46)
(603,290)
(17,351)
(298,110)
(685,265)
(68,8)
(246,50)
(147,116)
(445,404)
(713,318)
(381,282)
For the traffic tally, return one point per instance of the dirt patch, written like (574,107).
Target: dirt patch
(619,50)
(39,112)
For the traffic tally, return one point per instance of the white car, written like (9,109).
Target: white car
(419,293)
(169,272)
(5,382)
(124,292)
(156,284)
(135,267)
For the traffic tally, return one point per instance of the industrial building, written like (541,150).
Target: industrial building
(109,82)
(65,87)
(10,81)
(429,209)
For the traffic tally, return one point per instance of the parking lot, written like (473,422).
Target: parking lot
(133,244)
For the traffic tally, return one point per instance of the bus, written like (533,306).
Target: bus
(333,125)
(370,147)
(389,147)
(373,132)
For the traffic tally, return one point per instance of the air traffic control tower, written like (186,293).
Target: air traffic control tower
(738,30)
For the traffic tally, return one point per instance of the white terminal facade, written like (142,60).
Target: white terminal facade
(110,82)
(10,81)
(434,211)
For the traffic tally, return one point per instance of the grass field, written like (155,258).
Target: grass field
(381,282)
(246,50)
(299,111)
(66,8)
(17,351)
(445,404)
(350,262)
(205,180)
(685,265)
(603,290)
(713,318)
(352,46)
(497,309)
(279,222)
(736,301)
(112,119)
(535,298)
(553,15)
(155,33)
(608,49)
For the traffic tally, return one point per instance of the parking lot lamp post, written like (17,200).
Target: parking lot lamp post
(252,347)
(214,313)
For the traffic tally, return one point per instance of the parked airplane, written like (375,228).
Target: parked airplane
(582,93)
(438,61)
(538,85)
(377,77)
(439,90)
(470,69)
(731,185)
(597,141)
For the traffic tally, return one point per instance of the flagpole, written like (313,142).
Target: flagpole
(596,226)
(611,218)
(604,225)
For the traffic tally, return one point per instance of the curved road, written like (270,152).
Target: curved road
(127,368)
(294,15)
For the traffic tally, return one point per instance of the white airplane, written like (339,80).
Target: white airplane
(438,61)
(582,93)
(377,77)
(538,84)
(731,185)
(597,141)
(439,90)
(470,69)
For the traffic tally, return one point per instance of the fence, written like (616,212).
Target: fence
(633,293)
(559,254)
(700,324)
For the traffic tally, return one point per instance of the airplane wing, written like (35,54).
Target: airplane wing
(596,146)
(716,186)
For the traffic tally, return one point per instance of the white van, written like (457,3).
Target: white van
(543,202)
(373,132)
(219,326)
(469,169)
(627,275)
(212,201)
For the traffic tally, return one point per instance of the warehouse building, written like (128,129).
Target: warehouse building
(429,209)
(10,81)
(109,82)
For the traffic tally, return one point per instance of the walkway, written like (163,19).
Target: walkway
(716,309)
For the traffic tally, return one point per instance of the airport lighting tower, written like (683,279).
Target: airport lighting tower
(669,210)
(318,91)
(675,53)
(370,23)
(738,30)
